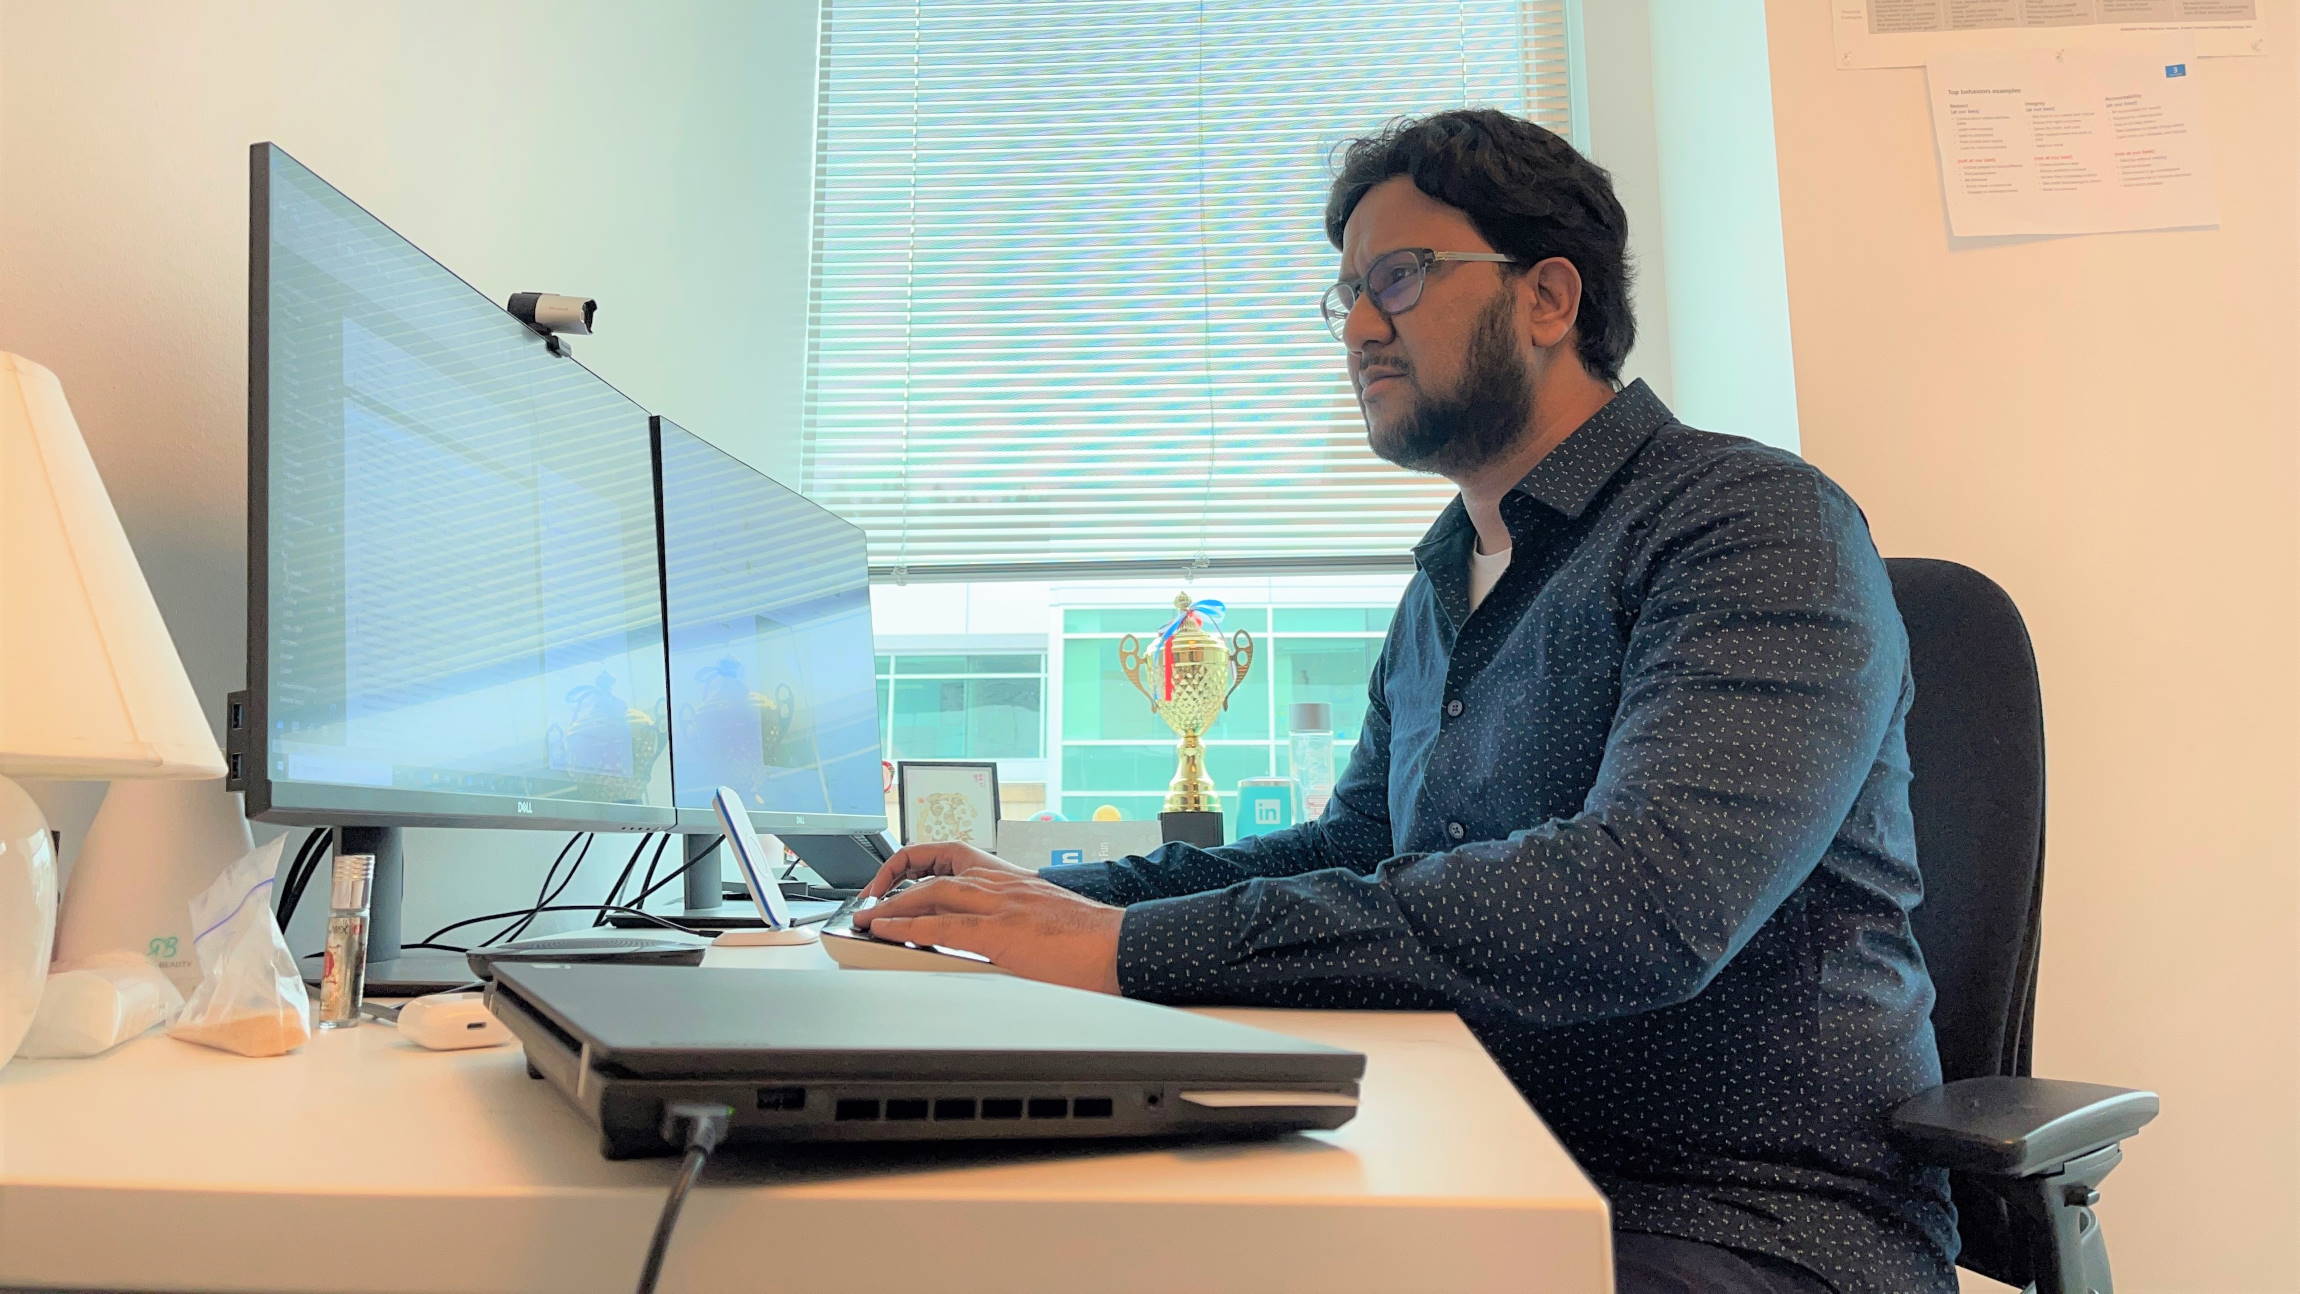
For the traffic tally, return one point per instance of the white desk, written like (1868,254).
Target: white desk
(364,1163)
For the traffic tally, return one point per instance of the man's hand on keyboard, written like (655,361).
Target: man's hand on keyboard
(916,862)
(971,900)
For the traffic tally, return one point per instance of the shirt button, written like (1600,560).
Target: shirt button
(1453,708)
(1454,829)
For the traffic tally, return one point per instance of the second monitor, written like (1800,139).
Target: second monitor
(766,606)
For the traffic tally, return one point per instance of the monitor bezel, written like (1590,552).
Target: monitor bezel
(324,804)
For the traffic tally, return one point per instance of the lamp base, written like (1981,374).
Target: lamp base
(27,912)
(154,844)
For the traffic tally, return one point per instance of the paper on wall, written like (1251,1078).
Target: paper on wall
(1910,33)
(2078,142)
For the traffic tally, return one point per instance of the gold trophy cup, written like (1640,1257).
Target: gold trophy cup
(1189,688)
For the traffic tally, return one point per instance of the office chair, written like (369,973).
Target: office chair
(2025,1155)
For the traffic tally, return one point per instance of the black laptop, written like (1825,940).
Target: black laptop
(903,1056)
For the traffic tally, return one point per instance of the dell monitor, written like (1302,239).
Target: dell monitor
(455,613)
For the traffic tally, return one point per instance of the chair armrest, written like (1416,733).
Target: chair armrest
(2017,1127)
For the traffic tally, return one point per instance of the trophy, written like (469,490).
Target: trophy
(1192,673)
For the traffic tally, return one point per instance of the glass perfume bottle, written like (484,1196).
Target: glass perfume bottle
(343,977)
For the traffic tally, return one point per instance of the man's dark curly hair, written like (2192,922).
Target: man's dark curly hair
(1528,192)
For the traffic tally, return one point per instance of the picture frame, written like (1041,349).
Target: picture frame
(948,800)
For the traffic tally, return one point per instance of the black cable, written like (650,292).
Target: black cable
(569,879)
(615,895)
(647,883)
(432,940)
(543,893)
(615,891)
(299,873)
(307,860)
(655,858)
(705,1126)
(284,900)
(706,852)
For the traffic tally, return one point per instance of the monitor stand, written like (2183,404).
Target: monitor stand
(704,868)
(708,907)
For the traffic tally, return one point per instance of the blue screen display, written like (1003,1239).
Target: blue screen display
(460,540)
(773,689)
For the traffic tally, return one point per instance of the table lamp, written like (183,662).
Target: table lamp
(90,684)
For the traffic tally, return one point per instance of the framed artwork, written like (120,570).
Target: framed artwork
(948,799)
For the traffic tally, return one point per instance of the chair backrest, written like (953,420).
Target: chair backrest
(1976,751)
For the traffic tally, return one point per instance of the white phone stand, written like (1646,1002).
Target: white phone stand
(754,860)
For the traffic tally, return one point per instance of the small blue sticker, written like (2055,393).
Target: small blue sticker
(2176,69)
(1062,856)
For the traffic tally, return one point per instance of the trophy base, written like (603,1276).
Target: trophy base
(1203,829)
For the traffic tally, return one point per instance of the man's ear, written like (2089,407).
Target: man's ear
(1550,296)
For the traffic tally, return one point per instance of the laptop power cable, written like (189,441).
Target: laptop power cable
(702,1126)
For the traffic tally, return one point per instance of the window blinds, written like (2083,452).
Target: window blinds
(1063,301)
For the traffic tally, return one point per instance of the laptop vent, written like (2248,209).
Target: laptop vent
(958,1108)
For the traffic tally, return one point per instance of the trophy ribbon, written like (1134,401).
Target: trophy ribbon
(1205,611)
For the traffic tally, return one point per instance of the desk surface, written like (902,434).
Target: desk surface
(363,1162)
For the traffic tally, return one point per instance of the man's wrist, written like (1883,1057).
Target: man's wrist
(1091,880)
(1170,950)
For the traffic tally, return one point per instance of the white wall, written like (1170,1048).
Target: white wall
(2108,426)
(656,158)
(1721,220)
(1616,71)
(1680,112)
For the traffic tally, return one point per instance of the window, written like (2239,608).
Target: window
(957,705)
(1085,737)
(1066,263)
(1116,752)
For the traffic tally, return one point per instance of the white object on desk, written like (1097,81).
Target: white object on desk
(451,1022)
(753,860)
(207,1171)
(94,1007)
(90,684)
(861,952)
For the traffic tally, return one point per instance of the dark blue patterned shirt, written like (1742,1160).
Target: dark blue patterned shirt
(1642,820)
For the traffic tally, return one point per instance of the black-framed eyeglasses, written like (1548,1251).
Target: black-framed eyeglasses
(1394,281)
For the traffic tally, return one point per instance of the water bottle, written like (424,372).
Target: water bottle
(1310,725)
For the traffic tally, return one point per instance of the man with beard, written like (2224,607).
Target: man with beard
(1631,796)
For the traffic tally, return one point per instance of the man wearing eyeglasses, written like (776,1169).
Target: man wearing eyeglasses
(1631,794)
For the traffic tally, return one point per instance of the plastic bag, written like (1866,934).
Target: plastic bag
(250,999)
(98,1004)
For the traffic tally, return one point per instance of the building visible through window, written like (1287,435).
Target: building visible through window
(1028,675)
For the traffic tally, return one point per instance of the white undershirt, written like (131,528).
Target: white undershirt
(1484,572)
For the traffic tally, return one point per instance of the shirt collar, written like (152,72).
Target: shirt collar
(1568,478)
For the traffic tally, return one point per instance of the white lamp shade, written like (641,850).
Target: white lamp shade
(90,683)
